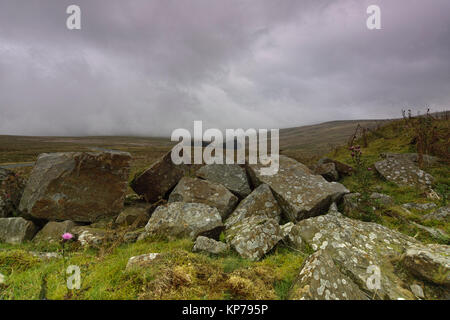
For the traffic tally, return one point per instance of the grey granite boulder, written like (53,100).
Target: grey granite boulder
(260,202)
(232,176)
(180,219)
(254,236)
(441,214)
(202,191)
(299,192)
(367,254)
(404,173)
(321,279)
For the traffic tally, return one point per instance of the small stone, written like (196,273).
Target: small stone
(204,244)
(417,290)
(143,260)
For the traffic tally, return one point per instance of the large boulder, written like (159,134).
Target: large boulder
(260,202)
(156,181)
(16,230)
(254,236)
(53,231)
(321,279)
(300,193)
(232,176)
(77,186)
(180,219)
(404,173)
(208,245)
(11,189)
(206,192)
(365,252)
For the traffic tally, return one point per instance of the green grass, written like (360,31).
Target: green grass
(181,274)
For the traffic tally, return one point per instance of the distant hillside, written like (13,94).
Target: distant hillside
(320,138)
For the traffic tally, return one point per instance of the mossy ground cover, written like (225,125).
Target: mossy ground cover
(180,274)
(396,137)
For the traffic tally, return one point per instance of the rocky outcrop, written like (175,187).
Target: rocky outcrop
(137,216)
(180,219)
(260,202)
(321,279)
(231,176)
(77,186)
(254,236)
(404,173)
(300,193)
(155,182)
(208,245)
(53,231)
(441,214)
(364,252)
(206,192)
(11,189)
(16,230)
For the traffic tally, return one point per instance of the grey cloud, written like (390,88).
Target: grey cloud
(148,67)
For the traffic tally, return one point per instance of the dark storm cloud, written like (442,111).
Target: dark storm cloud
(148,67)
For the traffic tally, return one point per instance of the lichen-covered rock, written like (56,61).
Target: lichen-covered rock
(419,206)
(260,202)
(254,236)
(300,193)
(404,173)
(382,199)
(77,186)
(143,260)
(413,157)
(441,214)
(431,262)
(180,219)
(206,192)
(155,182)
(321,279)
(11,189)
(327,170)
(53,231)
(205,244)
(361,251)
(232,176)
(137,216)
(16,230)
(434,232)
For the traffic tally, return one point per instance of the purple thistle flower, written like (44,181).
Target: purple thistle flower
(67,236)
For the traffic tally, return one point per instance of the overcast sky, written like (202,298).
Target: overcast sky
(147,67)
